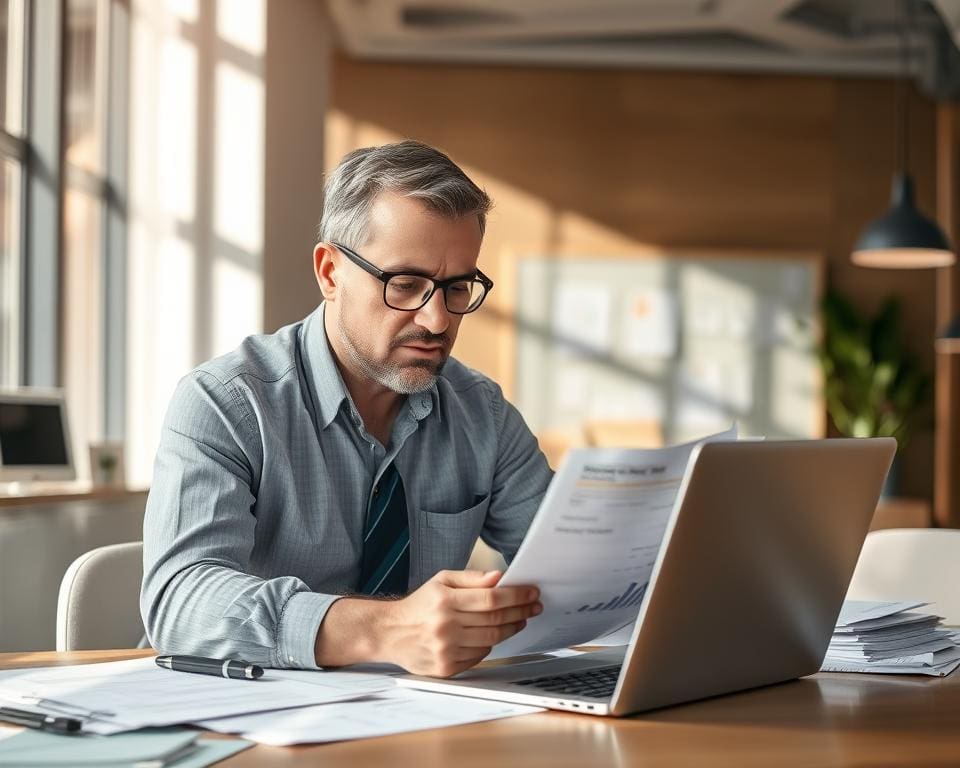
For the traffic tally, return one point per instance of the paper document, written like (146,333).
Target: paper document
(397,711)
(592,546)
(856,612)
(125,695)
(618,637)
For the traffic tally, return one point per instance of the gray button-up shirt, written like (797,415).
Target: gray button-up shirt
(255,518)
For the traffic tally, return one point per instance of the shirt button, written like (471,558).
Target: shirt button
(290,659)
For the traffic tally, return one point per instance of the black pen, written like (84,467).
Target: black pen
(40,721)
(239,670)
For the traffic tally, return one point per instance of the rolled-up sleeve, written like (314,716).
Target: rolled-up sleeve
(199,595)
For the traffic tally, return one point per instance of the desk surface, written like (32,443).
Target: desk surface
(33,494)
(824,720)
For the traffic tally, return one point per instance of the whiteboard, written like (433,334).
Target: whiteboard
(691,341)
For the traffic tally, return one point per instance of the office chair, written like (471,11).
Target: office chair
(911,564)
(99,602)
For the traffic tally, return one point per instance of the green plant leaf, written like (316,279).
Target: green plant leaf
(871,386)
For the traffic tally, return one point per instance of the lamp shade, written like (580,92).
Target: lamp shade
(903,238)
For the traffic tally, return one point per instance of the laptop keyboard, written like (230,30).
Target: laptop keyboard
(596,683)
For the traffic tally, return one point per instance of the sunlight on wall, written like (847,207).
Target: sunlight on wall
(176,130)
(344,134)
(196,199)
(82,300)
(238,151)
(185,10)
(243,23)
(161,316)
(237,304)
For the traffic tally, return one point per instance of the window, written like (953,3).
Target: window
(12,156)
(61,222)
(84,212)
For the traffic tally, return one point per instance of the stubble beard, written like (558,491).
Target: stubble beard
(406,378)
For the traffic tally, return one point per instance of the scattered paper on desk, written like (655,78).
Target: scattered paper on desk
(891,638)
(124,695)
(397,711)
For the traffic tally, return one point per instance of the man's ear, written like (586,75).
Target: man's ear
(325,264)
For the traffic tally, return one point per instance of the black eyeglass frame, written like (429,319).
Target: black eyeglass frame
(386,277)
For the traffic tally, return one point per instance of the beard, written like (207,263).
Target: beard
(402,378)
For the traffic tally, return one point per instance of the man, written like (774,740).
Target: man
(317,491)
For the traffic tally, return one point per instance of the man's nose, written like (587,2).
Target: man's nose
(433,315)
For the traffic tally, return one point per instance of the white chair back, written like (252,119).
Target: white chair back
(99,602)
(911,564)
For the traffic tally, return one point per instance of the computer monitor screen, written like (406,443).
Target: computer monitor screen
(34,438)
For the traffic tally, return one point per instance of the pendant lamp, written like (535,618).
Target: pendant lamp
(903,238)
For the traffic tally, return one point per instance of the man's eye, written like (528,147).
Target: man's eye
(460,288)
(403,285)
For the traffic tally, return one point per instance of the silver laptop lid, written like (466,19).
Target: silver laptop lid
(756,561)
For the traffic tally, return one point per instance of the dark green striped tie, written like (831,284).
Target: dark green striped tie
(385,569)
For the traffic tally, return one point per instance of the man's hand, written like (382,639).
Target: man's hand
(444,627)
(453,621)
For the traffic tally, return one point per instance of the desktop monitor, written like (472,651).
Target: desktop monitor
(34,436)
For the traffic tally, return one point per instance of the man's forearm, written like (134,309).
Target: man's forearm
(352,632)
(212,610)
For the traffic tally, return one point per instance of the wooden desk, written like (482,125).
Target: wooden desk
(39,494)
(824,720)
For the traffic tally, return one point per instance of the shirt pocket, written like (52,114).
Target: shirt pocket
(445,539)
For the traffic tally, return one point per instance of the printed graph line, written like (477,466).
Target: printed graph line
(632,596)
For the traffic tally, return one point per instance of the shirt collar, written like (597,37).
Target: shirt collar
(328,384)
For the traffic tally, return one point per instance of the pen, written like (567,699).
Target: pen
(40,721)
(239,670)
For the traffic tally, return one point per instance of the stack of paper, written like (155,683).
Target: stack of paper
(891,638)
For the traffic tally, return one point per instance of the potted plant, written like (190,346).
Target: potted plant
(873,388)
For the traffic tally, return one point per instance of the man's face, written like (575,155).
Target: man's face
(404,351)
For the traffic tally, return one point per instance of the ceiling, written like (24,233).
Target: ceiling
(843,37)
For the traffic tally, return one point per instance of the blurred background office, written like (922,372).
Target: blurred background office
(678,188)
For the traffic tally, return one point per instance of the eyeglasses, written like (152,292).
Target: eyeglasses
(409,292)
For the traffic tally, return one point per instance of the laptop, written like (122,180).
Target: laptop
(758,553)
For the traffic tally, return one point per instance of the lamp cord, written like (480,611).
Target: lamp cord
(902,101)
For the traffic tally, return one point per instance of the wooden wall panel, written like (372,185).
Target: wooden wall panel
(601,161)
(946,481)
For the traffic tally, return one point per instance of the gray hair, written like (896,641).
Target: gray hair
(408,168)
